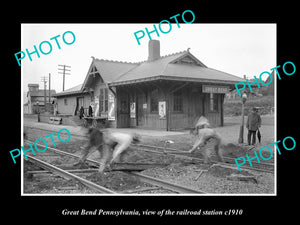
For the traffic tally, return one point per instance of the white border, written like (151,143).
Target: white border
(200,195)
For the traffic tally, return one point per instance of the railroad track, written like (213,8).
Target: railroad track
(68,175)
(260,167)
(158,183)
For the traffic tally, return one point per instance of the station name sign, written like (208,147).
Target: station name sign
(215,89)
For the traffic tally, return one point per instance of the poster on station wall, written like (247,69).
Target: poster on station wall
(111,107)
(132,110)
(162,110)
(96,106)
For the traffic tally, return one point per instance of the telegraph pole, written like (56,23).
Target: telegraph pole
(64,69)
(49,87)
(241,135)
(44,79)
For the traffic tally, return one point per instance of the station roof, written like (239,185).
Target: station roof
(107,69)
(70,91)
(181,66)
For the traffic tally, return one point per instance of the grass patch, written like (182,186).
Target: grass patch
(234,107)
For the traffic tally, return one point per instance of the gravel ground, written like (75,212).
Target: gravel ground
(213,180)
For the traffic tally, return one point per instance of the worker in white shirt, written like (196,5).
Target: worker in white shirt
(110,145)
(208,140)
(119,142)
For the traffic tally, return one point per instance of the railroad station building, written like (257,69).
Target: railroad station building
(163,92)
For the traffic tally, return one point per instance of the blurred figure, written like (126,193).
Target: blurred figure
(201,123)
(119,142)
(95,139)
(208,140)
(111,146)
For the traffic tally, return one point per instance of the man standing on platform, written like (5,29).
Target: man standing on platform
(253,123)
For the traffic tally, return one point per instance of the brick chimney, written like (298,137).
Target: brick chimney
(154,50)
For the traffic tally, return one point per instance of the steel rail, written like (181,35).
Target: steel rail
(68,175)
(96,163)
(70,171)
(165,184)
(165,149)
(202,160)
(144,178)
(153,149)
(162,183)
(172,150)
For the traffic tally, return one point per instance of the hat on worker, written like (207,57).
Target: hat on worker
(202,122)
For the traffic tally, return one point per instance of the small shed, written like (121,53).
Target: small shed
(69,101)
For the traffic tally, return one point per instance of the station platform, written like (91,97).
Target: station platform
(79,130)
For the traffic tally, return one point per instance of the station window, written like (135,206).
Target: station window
(154,101)
(106,100)
(65,101)
(178,101)
(103,100)
(213,102)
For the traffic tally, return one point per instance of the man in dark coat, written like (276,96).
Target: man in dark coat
(253,123)
(81,112)
(90,111)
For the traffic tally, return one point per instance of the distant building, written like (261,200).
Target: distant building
(35,99)
(263,90)
(70,101)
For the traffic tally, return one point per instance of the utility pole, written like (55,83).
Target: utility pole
(49,87)
(44,79)
(64,69)
(241,135)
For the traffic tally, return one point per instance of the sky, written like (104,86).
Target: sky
(237,49)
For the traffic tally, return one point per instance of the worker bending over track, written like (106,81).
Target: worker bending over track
(110,145)
(208,140)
